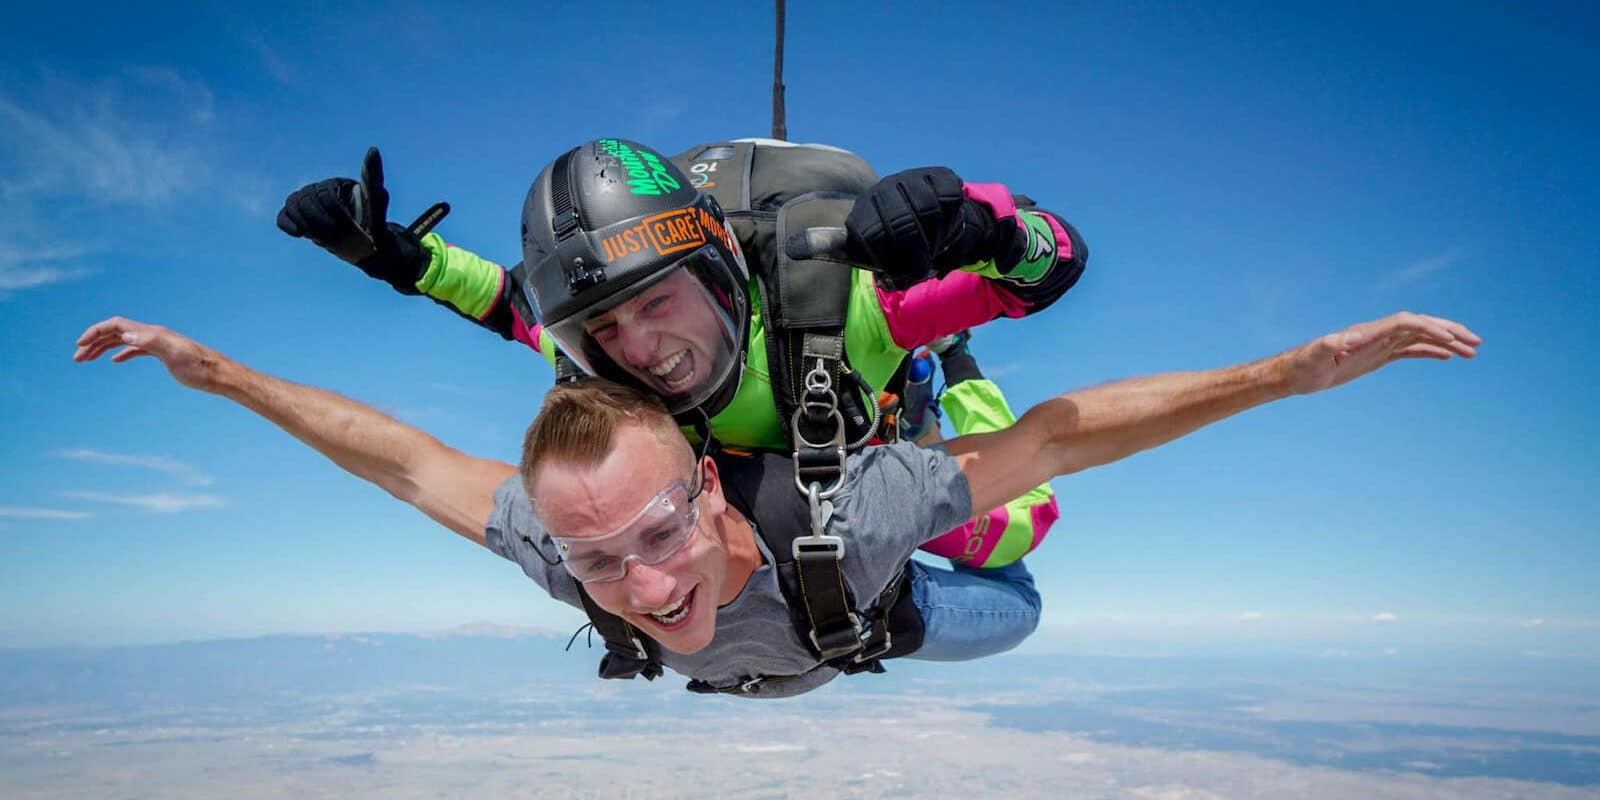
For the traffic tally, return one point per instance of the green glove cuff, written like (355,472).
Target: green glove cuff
(1026,271)
(465,280)
(1044,255)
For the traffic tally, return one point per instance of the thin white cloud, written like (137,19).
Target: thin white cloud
(17,278)
(32,512)
(1384,616)
(156,502)
(252,194)
(1536,622)
(183,472)
(1004,370)
(141,137)
(11,255)
(91,150)
(1251,616)
(1391,651)
(1422,268)
(29,268)
(193,93)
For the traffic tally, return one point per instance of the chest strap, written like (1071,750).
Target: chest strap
(809,567)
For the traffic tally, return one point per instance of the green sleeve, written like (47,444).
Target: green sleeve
(867,339)
(464,280)
(977,406)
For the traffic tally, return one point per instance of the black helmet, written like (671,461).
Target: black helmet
(636,275)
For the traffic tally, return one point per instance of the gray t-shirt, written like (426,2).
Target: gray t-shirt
(895,498)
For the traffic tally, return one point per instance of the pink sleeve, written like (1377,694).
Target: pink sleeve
(942,306)
(994,195)
(1000,202)
(522,333)
(975,542)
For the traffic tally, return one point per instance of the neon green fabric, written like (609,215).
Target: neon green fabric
(465,280)
(985,268)
(1025,271)
(547,347)
(1038,230)
(977,406)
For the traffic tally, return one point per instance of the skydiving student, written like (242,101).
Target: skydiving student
(679,276)
(684,552)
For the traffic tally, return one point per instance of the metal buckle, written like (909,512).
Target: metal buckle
(888,644)
(855,628)
(638,649)
(817,543)
(836,443)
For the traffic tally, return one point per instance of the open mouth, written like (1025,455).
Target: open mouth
(674,616)
(676,372)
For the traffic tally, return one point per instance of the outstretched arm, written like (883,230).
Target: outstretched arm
(1106,423)
(454,489)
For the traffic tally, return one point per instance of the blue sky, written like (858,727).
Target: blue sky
(1247,176)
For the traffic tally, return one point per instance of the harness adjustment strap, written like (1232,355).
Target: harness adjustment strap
(628,652)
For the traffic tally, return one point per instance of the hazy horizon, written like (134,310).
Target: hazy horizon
(387,715)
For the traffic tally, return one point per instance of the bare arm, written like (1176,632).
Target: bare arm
(454,489)
(1107,423)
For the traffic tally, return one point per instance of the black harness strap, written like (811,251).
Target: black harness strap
(629,653)
(805,301)
(821,605)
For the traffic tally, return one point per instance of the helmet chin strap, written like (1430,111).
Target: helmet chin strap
(723,395)
(717,401)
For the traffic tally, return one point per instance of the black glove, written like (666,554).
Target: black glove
(918,223)
(348,219)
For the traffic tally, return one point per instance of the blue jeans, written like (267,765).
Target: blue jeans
(970,613)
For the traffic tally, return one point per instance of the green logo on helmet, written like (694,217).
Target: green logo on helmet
(647,173)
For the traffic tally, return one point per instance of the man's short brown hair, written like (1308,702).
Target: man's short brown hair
(579,421)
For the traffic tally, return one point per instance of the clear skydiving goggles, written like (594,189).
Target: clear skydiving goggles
(661,528)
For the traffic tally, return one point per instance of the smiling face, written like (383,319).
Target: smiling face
(674,602)
(671,337)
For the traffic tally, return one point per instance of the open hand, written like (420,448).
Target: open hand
(191,363)
(1341,357)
